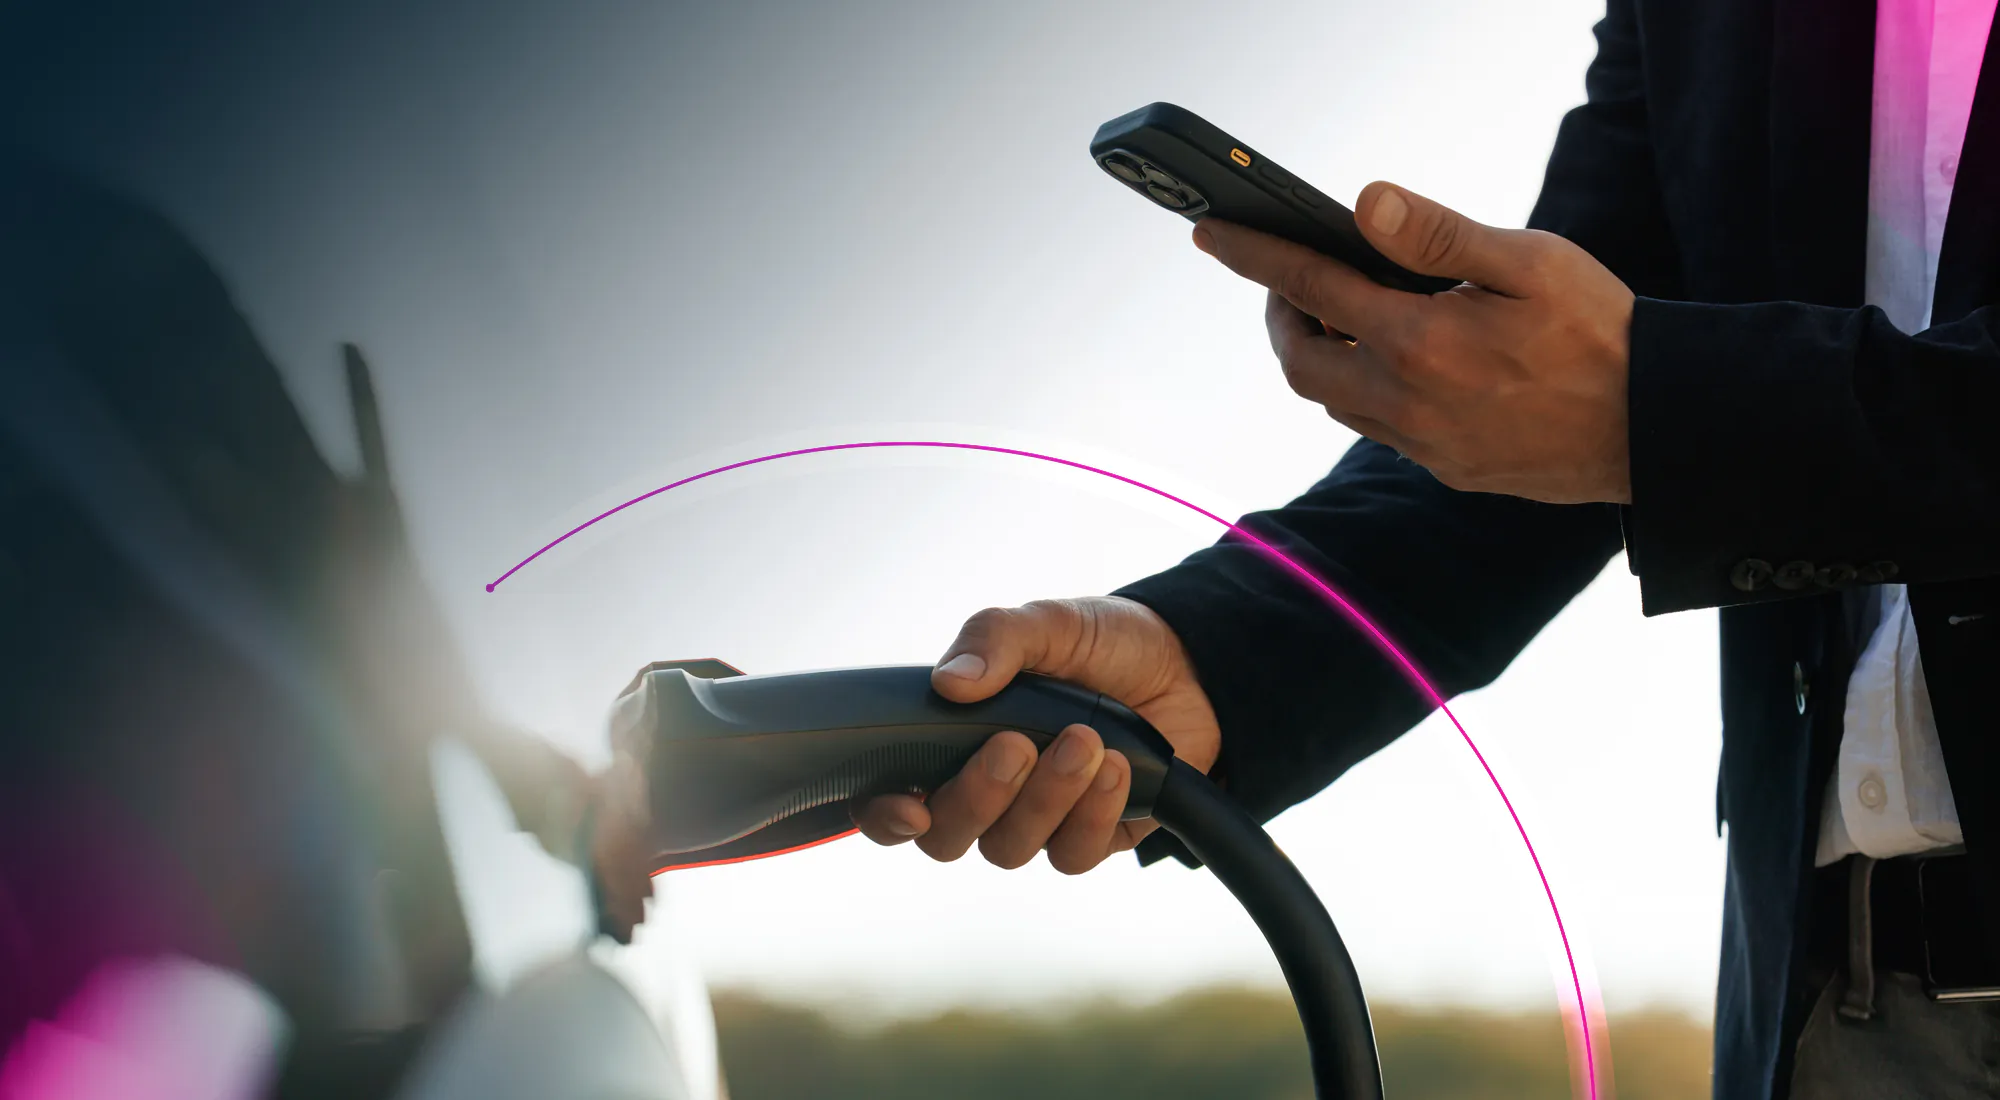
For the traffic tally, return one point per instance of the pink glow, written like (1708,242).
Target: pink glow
(158,1029)
(1578,1020)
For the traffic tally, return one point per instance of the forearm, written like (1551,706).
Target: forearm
(1822,439)
(1459,582)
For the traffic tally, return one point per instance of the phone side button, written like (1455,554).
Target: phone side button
(1274,173)
(1309,196)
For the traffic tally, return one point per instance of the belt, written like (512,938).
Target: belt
(1913,914)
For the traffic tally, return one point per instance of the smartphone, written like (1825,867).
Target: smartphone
(1183,163)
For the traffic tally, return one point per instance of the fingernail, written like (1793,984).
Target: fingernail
(1072,756)
(965,666)
(1005,763)
(902,828)
(1107,777)
(1390,211)
(1203,240)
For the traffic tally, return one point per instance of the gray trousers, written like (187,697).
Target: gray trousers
(1882,1038)
(1911,1047)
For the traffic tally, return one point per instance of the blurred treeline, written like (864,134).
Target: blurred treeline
(1219,1044)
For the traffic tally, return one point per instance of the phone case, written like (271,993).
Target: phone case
(1183,163)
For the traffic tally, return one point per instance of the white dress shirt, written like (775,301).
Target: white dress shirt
(1888,795)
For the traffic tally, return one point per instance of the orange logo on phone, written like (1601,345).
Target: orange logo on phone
(1240,157)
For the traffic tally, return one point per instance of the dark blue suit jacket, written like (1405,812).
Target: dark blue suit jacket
(1789,449)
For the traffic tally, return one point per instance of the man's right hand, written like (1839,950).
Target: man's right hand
(1068,799)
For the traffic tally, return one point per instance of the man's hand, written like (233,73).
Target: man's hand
(1069,800)
(1514,382)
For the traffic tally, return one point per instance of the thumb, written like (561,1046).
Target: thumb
(991,648)
(1431,239)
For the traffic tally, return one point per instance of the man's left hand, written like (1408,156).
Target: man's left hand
(1514,382)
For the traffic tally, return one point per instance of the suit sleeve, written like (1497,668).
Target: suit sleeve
(1460,582)
(1780,449)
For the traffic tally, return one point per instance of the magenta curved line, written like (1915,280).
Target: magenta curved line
(1353,613)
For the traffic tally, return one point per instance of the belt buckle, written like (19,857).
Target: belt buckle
(1951,935)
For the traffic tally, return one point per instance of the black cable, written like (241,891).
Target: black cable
(1339,1037)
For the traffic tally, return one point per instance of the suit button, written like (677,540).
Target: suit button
(1836,576)
(1800,689)
(1794,575)
(1750,574)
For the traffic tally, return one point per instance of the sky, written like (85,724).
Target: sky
(590,249)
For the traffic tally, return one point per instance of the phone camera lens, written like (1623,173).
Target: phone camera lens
(1167,196)
(1125,168)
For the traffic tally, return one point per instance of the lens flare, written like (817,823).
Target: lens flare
(164,1028)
